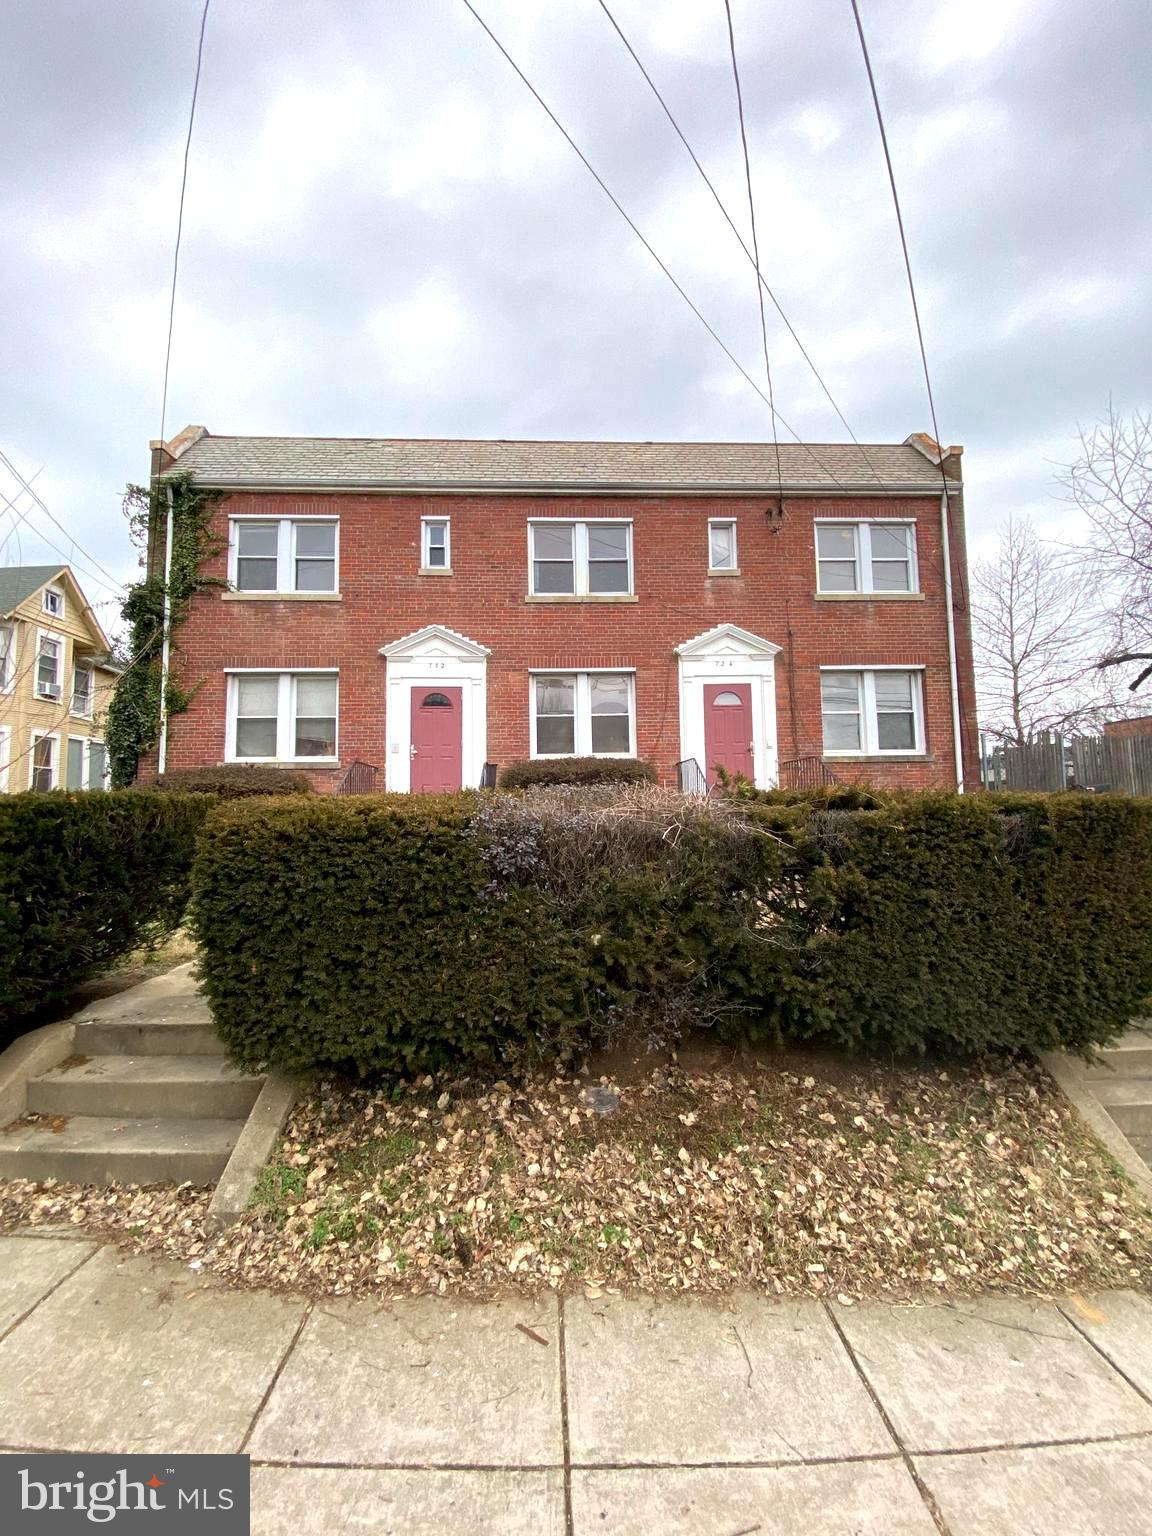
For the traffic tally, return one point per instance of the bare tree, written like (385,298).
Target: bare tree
(1111,484)
(1036,631)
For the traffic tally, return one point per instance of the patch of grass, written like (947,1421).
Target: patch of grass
(277,1185)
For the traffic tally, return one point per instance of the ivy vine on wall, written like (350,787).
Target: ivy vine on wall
(133,724)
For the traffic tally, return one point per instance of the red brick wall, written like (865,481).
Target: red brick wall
(1141,726)
(384,598)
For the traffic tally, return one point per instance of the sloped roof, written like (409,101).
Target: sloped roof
(18,582)
(485,464)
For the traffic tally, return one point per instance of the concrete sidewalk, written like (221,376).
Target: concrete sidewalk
(431,1417)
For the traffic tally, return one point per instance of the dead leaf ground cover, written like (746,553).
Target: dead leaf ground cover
(770,1174)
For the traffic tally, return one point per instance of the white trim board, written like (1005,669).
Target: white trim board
(435,657)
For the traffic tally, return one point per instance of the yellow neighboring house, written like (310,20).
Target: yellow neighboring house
(56,678)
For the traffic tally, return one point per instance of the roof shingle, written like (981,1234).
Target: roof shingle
(486,464)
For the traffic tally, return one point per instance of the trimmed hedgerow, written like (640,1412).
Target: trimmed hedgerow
(234,781)
(577,770)
(84,880)
(403,934)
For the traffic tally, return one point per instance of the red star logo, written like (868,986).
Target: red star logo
(154,1482)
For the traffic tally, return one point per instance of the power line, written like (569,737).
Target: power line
(755,240)
(116,586)
(612,198)
(180,218)
(761,279)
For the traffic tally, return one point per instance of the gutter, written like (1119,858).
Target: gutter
(557,487)
(953,669)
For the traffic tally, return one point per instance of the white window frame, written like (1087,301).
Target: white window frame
(285,556)
(426,525)
(7,658)
(106,777)
(45,607)
(862,541)
(285,713)
(5,756)
(868,722)
(579,527)
(58,640)
(34,738)
(583,706)
(87,669)
(724,570)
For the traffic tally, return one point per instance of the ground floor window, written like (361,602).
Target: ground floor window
(871,712)
(281,716)
(44,772)
(86,764)
(583,714)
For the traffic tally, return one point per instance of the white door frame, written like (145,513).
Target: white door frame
(427,658)
(729,654)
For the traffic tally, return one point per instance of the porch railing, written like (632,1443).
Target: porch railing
(690,777)
(806,773)
(358,779)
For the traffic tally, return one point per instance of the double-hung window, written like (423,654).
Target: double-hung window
(282,716)
(284,554)
(7,656)
(49,664)
(435,544)
(866,557)
(871,712)
(583,714)
(43,770)
(722,544)
(591,559)
(82,691)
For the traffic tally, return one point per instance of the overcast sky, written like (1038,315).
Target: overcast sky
(384,235)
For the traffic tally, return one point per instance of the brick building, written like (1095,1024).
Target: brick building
(427,607)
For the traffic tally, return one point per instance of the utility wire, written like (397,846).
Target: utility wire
(116,586)
(180,218)
(732,225)
(755,240)
(612,198)
(903,237)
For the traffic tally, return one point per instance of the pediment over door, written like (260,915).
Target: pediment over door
(434,643)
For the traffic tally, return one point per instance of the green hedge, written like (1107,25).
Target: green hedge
(84,880)
(549,771)
(401,934)
(234,781)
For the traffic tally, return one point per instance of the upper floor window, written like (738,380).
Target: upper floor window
(870,713)
(721,544)
(281,716)
(49,661)
(82,691)
(283,554)
(7,656)
(583,714)
(592,559)
(435,544)
(866,557)
(53,601)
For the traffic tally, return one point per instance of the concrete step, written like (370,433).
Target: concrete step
(147,1037)
(180,1087)
(88,1149)
(1131,1055)
(1129,1101)
(1143,1145)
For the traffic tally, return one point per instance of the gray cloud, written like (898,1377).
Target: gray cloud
(384,234)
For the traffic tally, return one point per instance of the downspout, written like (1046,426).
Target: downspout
(953,669)
(165,651)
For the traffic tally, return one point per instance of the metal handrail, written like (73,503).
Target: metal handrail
(359,779)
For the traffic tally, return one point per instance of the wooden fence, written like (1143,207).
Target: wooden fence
(1122,764)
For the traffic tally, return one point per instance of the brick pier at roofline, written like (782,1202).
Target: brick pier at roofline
(382,491)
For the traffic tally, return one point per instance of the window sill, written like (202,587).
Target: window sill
(601,757)
(280,597)
(588,597)
(878,757)
(283,762)
(733,572)
(868,597)
(435,570)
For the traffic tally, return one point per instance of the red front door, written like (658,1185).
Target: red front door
(436,739)
(728,729)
